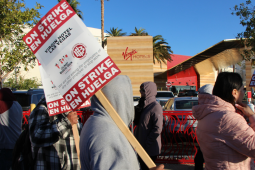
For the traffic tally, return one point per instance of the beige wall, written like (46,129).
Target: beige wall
(248,74)
(158,69)
(139,67)
(209,68)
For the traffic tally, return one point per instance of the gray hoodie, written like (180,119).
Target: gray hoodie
(149,128)
(102,144)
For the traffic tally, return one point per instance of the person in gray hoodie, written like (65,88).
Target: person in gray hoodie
(149,128)
(102,144)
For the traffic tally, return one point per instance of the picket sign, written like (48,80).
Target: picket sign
(56,104)
(76,140)
(252,83)
(76,65)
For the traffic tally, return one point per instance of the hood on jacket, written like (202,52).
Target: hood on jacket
(6,99)
(208,104)
(150,89)
(120,94)
(206,89)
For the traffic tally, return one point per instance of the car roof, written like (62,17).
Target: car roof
(30,91)
(185,98)
(162,99)
(164,92)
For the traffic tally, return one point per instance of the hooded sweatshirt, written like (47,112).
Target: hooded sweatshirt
(102,144)
(225,138)
(10,119)
(149,128)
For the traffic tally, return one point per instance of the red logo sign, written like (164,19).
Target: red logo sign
(61,61)
(168,84)
(79,51)
(128,55)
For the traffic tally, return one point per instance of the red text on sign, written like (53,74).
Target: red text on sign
(53,20)
(89,84)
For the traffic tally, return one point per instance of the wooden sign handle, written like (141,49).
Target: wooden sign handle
(76,140)
(125,130)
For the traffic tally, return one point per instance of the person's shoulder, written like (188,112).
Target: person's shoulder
(157,105)
(16,105)
(97,126)
(101,135)
(230,119)
(39,110)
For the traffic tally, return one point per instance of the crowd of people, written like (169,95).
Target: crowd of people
(226,139)
(102,144)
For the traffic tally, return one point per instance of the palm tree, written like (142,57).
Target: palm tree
(74,4)
(115,32)
(140,32)
(161,50)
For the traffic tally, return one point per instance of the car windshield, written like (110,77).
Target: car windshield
(162,102)
(185,104)
(23,99)
(165,94)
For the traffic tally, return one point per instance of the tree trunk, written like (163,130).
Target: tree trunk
(102,22)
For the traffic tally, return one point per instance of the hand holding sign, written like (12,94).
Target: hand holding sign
(72,117)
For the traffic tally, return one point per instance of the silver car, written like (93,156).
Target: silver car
(181,122)
(165,95)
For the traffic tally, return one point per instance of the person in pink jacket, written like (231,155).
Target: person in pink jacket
(225,138)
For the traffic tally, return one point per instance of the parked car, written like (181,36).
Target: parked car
(164,95)
(191,93)
(136,99)
(162,102)
(27,97)
(180,122)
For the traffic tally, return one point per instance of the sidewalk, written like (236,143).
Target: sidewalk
(179,166)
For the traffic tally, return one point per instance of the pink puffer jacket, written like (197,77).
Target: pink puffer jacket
(225,138)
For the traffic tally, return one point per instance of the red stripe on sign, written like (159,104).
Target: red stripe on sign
(48,25)
(57,107)
(60,106)
(89,84)
(39,64)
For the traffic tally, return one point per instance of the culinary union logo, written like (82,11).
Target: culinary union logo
(79,51)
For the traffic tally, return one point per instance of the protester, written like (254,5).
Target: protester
(52,139)
(138,110)
(225,138)
(199,159)
(149,127)
(102,144)
(10,126)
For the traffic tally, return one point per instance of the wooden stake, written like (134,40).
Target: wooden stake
(123,127)
(76,140)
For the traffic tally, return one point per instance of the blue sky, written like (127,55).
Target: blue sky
(188,26)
